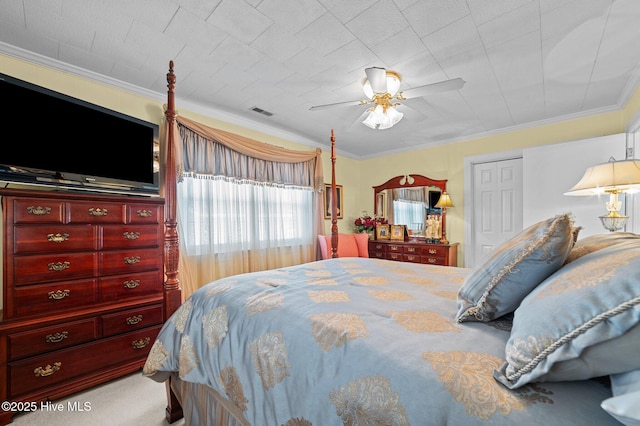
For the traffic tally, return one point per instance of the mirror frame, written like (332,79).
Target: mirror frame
(418,180)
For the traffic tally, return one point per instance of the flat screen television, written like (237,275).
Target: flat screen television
(52,139)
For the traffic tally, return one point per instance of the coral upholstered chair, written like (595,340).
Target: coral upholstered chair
(349,245)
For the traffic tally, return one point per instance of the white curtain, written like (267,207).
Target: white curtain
(237,213)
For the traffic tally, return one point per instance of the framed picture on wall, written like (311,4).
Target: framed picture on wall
(397,232)
(327,201)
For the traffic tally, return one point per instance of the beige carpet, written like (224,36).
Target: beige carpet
(131,400)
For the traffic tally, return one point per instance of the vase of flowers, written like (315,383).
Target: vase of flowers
(367,224)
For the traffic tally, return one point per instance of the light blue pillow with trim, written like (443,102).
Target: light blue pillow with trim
(581,322)
(624,405)
(597,242)
(497,285)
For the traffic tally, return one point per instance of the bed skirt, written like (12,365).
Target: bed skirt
(202,405)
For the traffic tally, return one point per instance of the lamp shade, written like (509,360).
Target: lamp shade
(619,176)
(444,201)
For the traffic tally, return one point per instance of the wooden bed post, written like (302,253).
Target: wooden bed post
(172,290)
(334,200)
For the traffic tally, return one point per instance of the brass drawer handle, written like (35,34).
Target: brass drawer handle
(432,260)
(411,258)
(131,235)
(394,248)
(139,344)
(38,211)
(57,238)
(411,249)
(132,260)
(97,212)
(58,266)
(136,319)
(433,251)
(144,213)
(59,294)
(56,338)
(48,370)
(131,284)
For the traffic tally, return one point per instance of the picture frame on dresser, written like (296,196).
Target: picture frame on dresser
(382,231)
(397,232)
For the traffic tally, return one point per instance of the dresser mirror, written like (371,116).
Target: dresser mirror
(409,200)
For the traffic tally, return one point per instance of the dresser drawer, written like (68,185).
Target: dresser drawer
(395,256)
(132,319)
(51,238)
(412,249)
(38,210)
(373,246)
(377,254)
(43,371)
(128,236)
(130,261)
(96,212)
(132,285)
(435,250)
(52,338)
(431,260)
(395,248)
(144,213)
(412,258)
(55,296)
(53,267)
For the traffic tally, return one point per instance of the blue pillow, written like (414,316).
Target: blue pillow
(497,285)
(581,322)
(624,405)
(593,243)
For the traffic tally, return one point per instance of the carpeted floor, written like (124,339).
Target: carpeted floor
(130,400)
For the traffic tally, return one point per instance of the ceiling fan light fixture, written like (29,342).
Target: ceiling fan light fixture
(379,119)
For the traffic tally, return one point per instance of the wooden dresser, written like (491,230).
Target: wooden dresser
(82,288)
(416,251)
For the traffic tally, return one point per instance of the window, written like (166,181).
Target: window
(220,214)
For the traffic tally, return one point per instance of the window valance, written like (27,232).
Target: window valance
(207,150)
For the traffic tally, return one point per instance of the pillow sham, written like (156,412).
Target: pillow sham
(498,284)
(593,243)
(581,322)
(624,406)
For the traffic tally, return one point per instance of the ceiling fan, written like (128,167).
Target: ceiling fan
(381,87)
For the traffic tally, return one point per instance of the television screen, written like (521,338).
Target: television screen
(53,139)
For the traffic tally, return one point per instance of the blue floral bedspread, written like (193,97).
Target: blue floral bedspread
(357,341)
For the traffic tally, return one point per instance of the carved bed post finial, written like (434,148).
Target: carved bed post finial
(334,200)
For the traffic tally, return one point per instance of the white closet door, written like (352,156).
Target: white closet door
(497,210)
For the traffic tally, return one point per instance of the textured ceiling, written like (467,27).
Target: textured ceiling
(525,62)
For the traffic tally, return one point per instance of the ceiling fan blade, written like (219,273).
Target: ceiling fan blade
(377,78)
(338,104)
(442,86)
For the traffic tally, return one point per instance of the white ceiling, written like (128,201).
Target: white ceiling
(525,62)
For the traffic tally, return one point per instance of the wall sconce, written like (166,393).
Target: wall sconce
(443,203)
(613,178)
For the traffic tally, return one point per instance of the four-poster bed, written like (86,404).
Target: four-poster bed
(369,341)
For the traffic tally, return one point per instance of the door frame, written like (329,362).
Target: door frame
(469,163)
